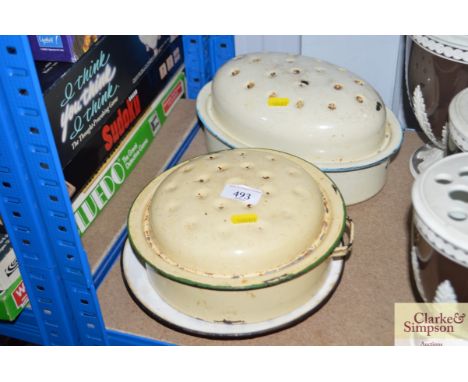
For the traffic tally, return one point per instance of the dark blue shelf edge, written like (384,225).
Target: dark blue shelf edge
(117,338)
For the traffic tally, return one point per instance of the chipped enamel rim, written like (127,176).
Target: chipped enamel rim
(389,148)
(308,260)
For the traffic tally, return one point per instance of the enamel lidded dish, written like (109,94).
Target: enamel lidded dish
(309,108)
(240,238)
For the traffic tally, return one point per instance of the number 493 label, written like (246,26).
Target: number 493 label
(241,193)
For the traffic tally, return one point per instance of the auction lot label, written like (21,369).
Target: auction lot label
(431,324)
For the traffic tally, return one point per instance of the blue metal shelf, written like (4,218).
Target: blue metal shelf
(197,63)
(37,212)
(36,209)
(221,50)
(117,338)
(204,55)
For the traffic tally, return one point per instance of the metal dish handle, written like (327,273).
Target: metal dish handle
(345,248)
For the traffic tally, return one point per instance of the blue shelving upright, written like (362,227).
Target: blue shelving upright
(36,209)
(197,63)
(221,50)
(204,55)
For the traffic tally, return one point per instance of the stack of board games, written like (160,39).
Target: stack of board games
(96,102)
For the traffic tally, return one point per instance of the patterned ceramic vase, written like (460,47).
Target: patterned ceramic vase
(440,230)
(436,70)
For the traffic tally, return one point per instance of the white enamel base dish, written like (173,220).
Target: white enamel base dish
(142,289)
(306,107)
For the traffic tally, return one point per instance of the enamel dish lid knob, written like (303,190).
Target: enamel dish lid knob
(297,104)
(237,219)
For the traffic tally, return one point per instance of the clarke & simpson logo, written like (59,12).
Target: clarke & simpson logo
(423,322)
(431,324)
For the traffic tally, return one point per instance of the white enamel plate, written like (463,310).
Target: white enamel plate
(135,275)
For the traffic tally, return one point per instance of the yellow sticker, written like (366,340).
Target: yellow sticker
(244,218)
(277,101)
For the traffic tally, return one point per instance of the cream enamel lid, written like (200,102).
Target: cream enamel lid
(301,105)
(184,226)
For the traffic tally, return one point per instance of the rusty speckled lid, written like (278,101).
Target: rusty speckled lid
(242,218)
(300,105)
